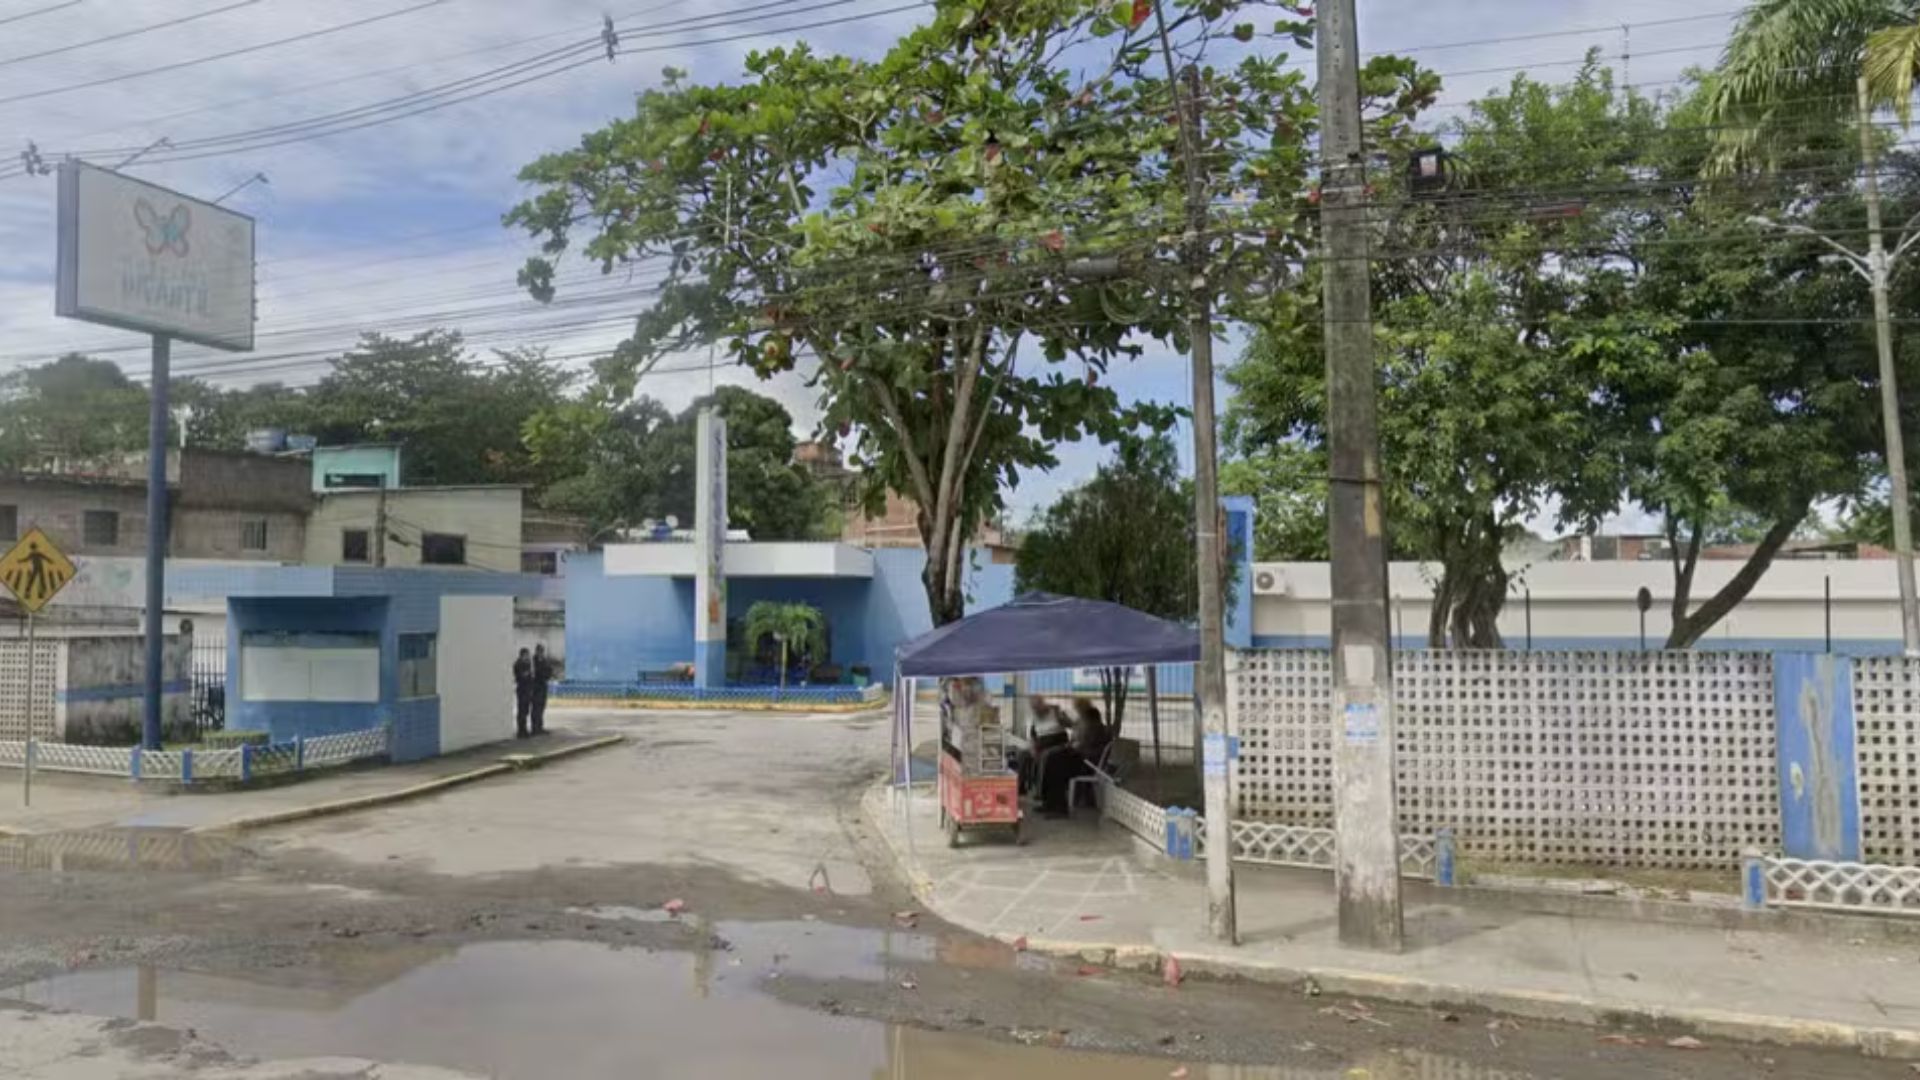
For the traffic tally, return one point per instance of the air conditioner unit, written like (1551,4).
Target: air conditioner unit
(1267,582)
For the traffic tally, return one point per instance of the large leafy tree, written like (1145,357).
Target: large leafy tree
(459,417)
(954,241)
(638,463)
(73,408)
(1126,536)
(1484,422)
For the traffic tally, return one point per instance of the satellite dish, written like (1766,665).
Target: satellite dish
(673,522)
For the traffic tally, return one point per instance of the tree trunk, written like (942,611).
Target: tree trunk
(1689,629)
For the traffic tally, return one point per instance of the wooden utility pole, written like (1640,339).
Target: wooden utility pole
(1210,680)
(1367,861)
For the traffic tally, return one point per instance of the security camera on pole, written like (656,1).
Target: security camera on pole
(140,257)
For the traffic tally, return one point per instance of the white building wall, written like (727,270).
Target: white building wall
(1592,604)
(475,654)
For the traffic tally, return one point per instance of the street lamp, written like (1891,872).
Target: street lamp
(1876,266)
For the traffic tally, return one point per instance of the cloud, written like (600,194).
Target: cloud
(395,227)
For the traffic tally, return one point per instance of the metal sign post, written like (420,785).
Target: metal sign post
(26,769)
(34,571)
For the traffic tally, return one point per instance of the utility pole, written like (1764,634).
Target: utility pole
(380,525)
(1367,849)
(1211,678)
(1878,266)
(150,716)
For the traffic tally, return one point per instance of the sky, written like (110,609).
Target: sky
(395,226)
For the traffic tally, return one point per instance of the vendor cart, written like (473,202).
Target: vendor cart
(977,788)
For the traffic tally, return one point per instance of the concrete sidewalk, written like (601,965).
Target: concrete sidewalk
(1088,888)
(69,802)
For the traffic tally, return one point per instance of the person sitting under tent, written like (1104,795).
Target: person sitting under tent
(1088,740)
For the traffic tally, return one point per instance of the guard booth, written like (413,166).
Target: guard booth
(327,650)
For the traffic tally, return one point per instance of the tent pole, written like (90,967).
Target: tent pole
(1153,713)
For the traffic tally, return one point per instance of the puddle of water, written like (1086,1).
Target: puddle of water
(142,849)
(575,1010)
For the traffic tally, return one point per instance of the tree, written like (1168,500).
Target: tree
(459,419)
(1126,537)
(74,408)
(1792,65)
(957,240)
(1484,421)
(794,626)
(638,463)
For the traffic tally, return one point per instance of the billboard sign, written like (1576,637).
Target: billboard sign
(141,257)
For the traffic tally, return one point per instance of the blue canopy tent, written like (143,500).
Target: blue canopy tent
(1034,632)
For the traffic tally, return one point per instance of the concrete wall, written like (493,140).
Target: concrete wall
(618,626)
(1588,605)
(209,533)
(239,481)
(489,517)
(59,507)
(103,689)
(475,652)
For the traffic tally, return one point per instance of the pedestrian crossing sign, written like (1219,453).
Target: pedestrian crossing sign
(35,570)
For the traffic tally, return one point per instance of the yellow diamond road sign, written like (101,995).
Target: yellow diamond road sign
(35,570)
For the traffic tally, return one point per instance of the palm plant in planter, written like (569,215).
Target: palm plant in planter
(794,626)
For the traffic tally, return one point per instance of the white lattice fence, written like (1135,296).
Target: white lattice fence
(1841,886)
(351,746)
(13,688)
(63,757)
(1634,759)
(1886,712)
(1137,815)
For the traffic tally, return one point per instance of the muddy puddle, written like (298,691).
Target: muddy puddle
(566,1010)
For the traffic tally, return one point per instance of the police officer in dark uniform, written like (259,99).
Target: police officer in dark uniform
(522,692)
(542,676)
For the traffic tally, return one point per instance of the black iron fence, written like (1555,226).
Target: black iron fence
(209,708)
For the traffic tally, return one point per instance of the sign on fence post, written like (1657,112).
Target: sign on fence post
(34,571)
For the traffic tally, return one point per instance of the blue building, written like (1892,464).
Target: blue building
(631,608)
(315,650)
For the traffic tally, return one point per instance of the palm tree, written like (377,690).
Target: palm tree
(1791,62)
(792,625)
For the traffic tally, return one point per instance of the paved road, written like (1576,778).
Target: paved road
(517,928)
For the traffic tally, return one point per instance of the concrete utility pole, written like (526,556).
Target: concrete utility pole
(1367,866)
(1211,679)
(1876,266)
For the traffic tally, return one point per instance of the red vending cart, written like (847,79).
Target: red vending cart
(977,789)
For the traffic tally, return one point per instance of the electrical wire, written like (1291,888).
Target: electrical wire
(48,10)
(166,24)
(178,65)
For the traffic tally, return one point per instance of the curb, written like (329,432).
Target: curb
(1883,1042)
(1891,1043)
(515,763)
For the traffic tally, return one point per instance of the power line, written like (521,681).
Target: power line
(178,65)
(40,11)
(124,34)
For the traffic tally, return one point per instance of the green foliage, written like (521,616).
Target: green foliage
(955,241)
(459,418)
(1792,65)
(797,627)
(72,408)
(1126,536)
(1288,484)
(638,462)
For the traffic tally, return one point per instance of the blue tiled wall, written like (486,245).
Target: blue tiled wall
(416,728)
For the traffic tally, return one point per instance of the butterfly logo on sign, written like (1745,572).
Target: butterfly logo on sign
(164,234)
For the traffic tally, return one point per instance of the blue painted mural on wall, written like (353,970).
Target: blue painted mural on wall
(1819,782)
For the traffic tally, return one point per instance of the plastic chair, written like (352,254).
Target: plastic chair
(1103,773)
